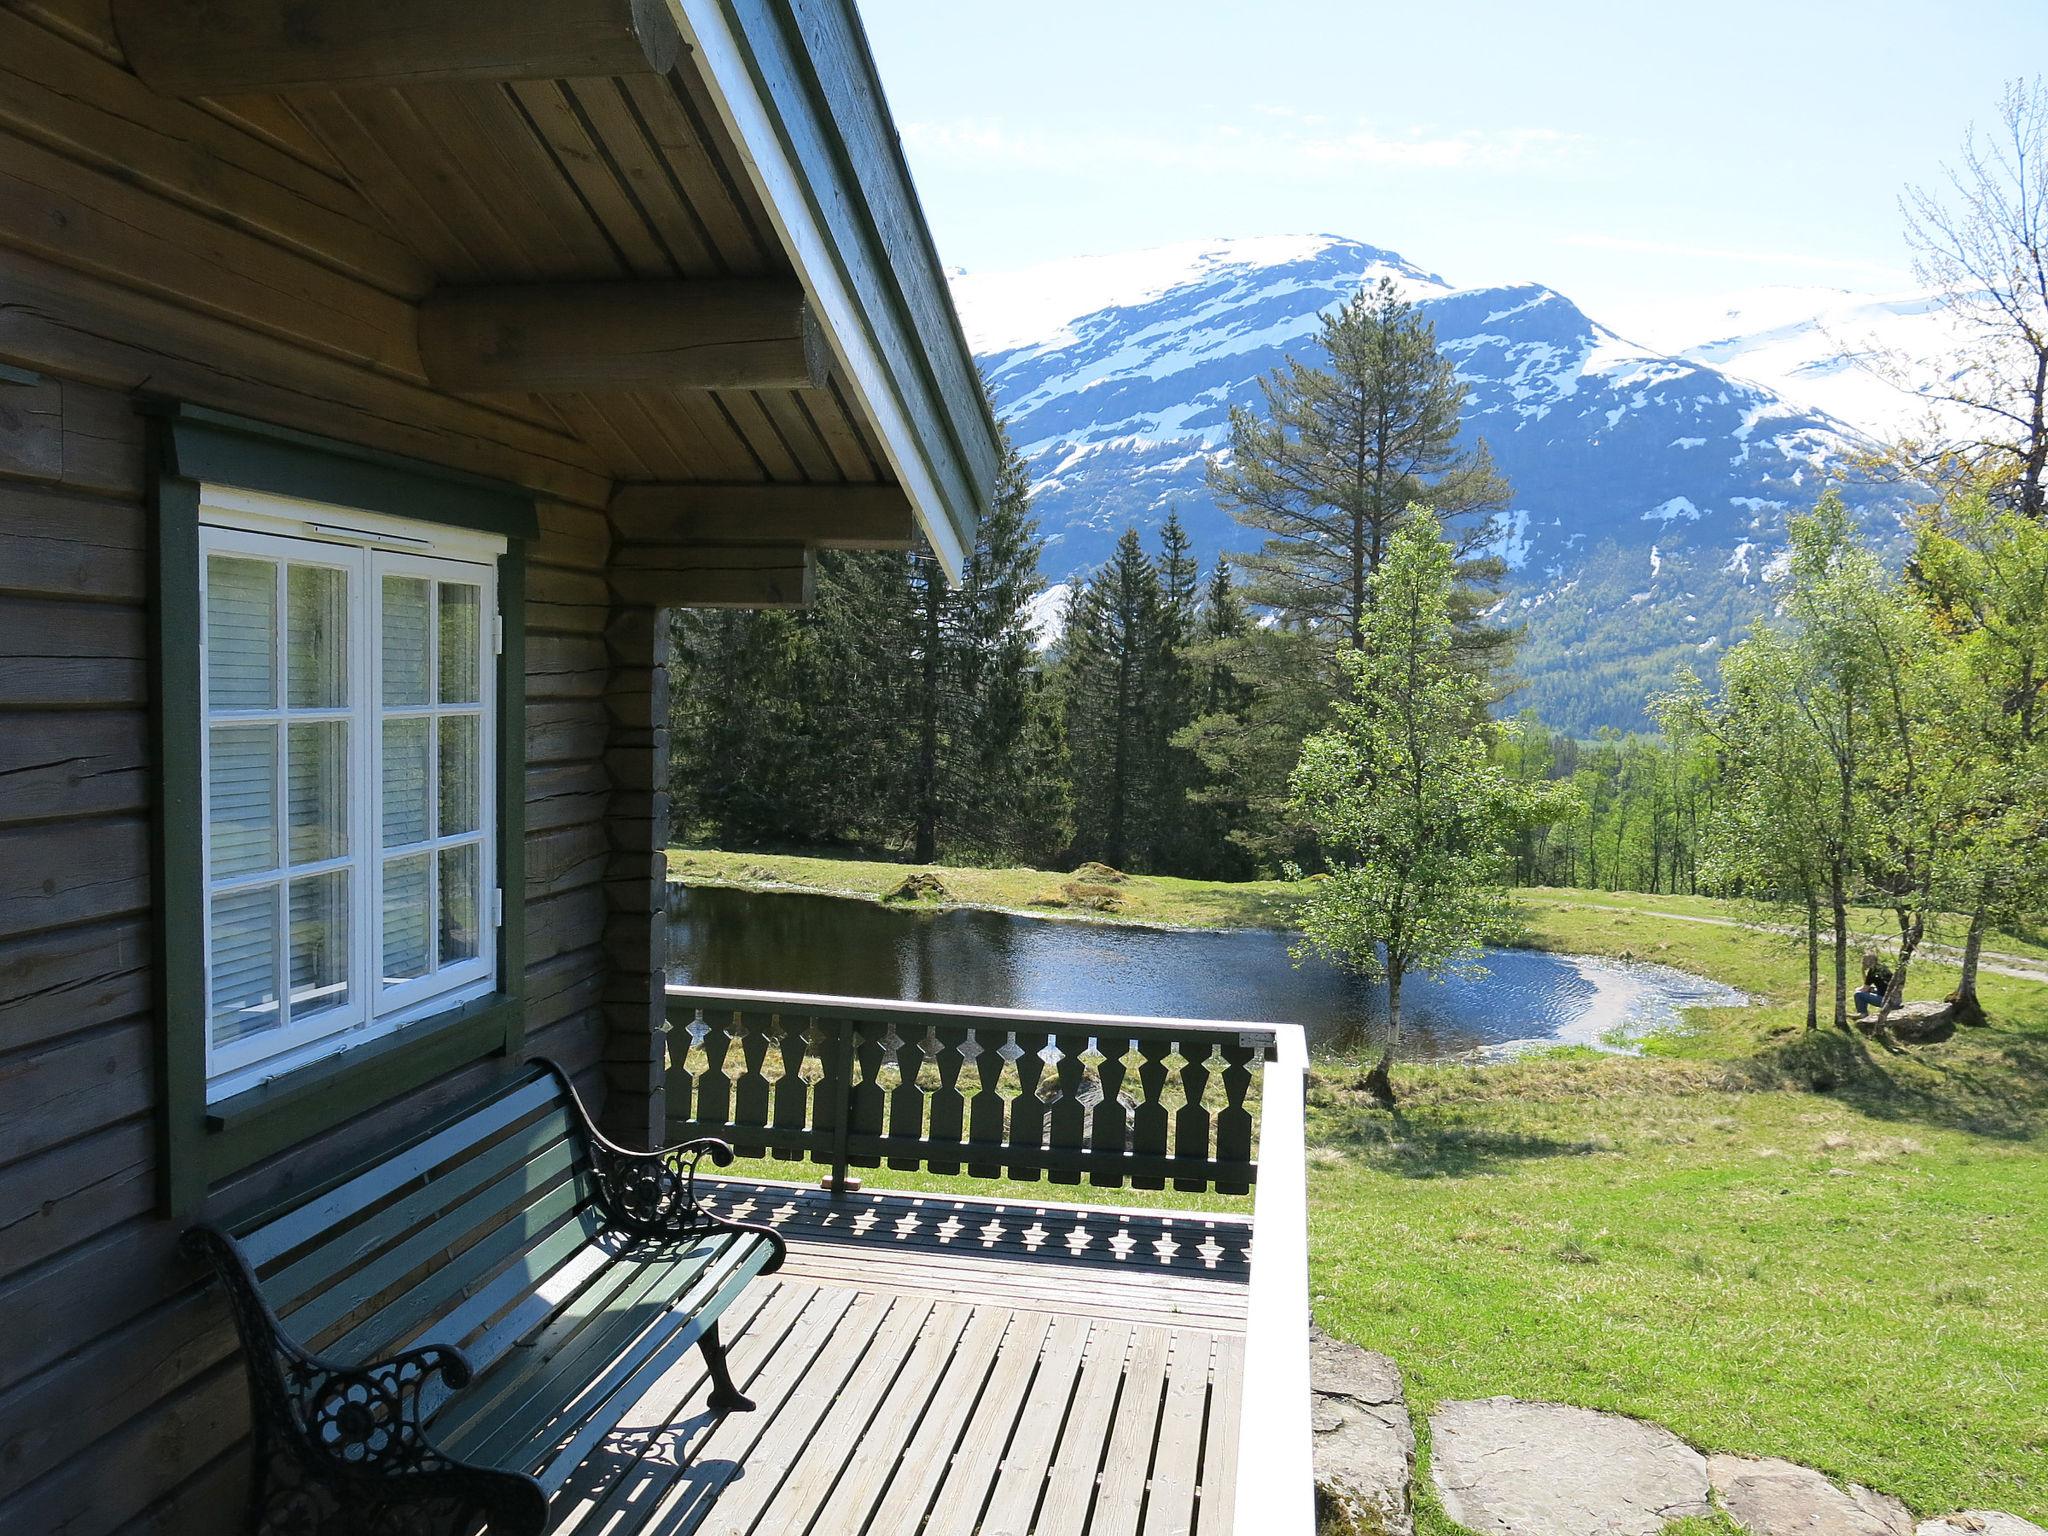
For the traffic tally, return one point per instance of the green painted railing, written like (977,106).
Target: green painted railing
(989,1092)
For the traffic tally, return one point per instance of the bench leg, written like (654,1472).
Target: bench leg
(725,1397)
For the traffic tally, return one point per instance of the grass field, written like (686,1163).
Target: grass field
(1772,1242)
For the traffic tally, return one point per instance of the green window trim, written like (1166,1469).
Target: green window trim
(200,1144)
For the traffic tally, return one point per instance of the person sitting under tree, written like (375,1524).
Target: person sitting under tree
(1877,982)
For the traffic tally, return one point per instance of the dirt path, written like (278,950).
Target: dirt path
(1999,964)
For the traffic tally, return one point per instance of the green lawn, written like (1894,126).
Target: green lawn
(1774,1243)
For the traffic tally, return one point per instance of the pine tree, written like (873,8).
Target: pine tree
(1342,455)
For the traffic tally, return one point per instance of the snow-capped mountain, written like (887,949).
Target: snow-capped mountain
(1830,348)
(1651,489)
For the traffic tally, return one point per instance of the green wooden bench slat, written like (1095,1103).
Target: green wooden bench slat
(327,1261)
(412,1311)
(527,1290)
(581,1380)
(611,1310)
(273,1239)
(511,1191)
(627,1387)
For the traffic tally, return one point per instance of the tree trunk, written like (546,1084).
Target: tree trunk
(1379,1081)
(1910,930)
(1968,1009)
(1839,896)
(1812,961)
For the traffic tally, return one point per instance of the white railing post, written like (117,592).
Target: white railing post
(1276,1472)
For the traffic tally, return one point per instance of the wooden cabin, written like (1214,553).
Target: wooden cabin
(373,375)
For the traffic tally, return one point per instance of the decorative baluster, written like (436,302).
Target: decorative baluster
(1234,1122)
(873,1045)
(1191,1123)
(985,1113)
(791,1088)
(1067,1119)
(714,1087)
(1027,1110)
(1149,1124)
(948,1102)
(751,1085)
(1109,1127)
(906,1102)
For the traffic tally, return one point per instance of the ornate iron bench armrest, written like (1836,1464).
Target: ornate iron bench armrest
(654,1194)
(324,1429)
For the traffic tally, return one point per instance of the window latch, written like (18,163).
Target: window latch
(498,907)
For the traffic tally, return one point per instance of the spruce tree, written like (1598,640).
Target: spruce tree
(1110,668)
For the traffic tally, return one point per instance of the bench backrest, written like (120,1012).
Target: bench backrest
(454,1238)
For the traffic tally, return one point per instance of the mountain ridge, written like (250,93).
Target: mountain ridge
(1650,488)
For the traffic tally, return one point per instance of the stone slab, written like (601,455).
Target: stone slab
(1505,1467)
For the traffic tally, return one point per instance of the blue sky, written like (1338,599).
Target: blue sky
(1627,154)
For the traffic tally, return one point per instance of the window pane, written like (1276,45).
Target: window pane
(244,982)
(405,782)
(319,914)
(461,612)
(316,637)
(241,798)
(406,660)
(405,917)
(316,775)
(459,927)
(459,743)
(241,633)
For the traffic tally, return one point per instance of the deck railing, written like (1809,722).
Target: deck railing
(990,1092)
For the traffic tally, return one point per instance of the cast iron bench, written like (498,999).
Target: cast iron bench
(487,1303)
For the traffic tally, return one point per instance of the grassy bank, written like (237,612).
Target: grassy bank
(1773,1242)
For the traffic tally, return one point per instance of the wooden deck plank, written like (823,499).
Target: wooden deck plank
(1070,1484)
(1219,1455)
(1170,1499)
(900,1502)
(964,1492)
(1127,1463)
(860,1414)
(1021,1477)
(957,1342)
(679,1485)
(749,1450)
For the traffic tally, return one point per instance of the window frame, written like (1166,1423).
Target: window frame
(200,458)
(294,533)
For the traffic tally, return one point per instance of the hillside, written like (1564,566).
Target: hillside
(1651,488)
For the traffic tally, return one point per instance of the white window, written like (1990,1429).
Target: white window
(348,695)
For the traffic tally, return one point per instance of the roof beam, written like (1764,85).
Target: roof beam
(822,516)
(596,338)
(220,47)
(683,575)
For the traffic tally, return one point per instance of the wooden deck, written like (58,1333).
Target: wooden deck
(936,1365)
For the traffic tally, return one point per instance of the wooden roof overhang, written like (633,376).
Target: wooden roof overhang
(679,231)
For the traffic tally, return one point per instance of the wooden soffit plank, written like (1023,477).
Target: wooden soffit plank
(824,516)
(224,47)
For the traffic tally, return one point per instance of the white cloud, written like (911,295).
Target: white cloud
(1283,144)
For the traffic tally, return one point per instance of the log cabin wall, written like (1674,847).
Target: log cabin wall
(217,255)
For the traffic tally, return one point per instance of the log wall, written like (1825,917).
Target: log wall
(122,269)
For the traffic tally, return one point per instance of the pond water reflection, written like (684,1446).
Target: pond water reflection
(803,943)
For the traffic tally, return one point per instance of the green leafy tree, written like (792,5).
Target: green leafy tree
(1414,816)
(1112,677)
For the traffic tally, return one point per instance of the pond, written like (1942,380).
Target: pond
(787,942)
